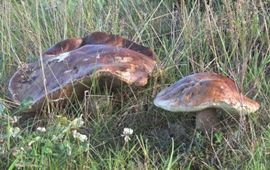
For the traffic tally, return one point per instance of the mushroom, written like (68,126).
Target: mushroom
(62,73)
(97,38)
(64,46)
(203,93)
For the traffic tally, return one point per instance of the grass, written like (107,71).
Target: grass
(228,37)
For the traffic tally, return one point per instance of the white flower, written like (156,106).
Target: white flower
(14,131)
(77,135)
(34,140)
(127,133)
(16,151)
(77,122)
(15,119)
(68,150)
(41,129)
(54,138)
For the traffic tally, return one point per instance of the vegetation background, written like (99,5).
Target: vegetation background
(230,37)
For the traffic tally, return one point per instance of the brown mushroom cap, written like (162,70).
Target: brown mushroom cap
(200,91)
(64,46)
(97,38)
(72,70)
(116,40)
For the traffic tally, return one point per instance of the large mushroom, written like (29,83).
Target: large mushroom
(94,39)
(68,67)
(203,93)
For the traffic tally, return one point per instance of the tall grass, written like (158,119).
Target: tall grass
(228,37)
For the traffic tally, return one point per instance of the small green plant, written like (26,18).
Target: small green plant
(218,137)
(25,104)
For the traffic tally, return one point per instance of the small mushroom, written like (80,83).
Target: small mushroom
(203,93)
(62,73)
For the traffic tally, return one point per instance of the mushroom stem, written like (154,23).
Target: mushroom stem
(206,119)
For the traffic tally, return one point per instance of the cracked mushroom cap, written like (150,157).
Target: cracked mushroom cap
(200,91)
(60,75)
